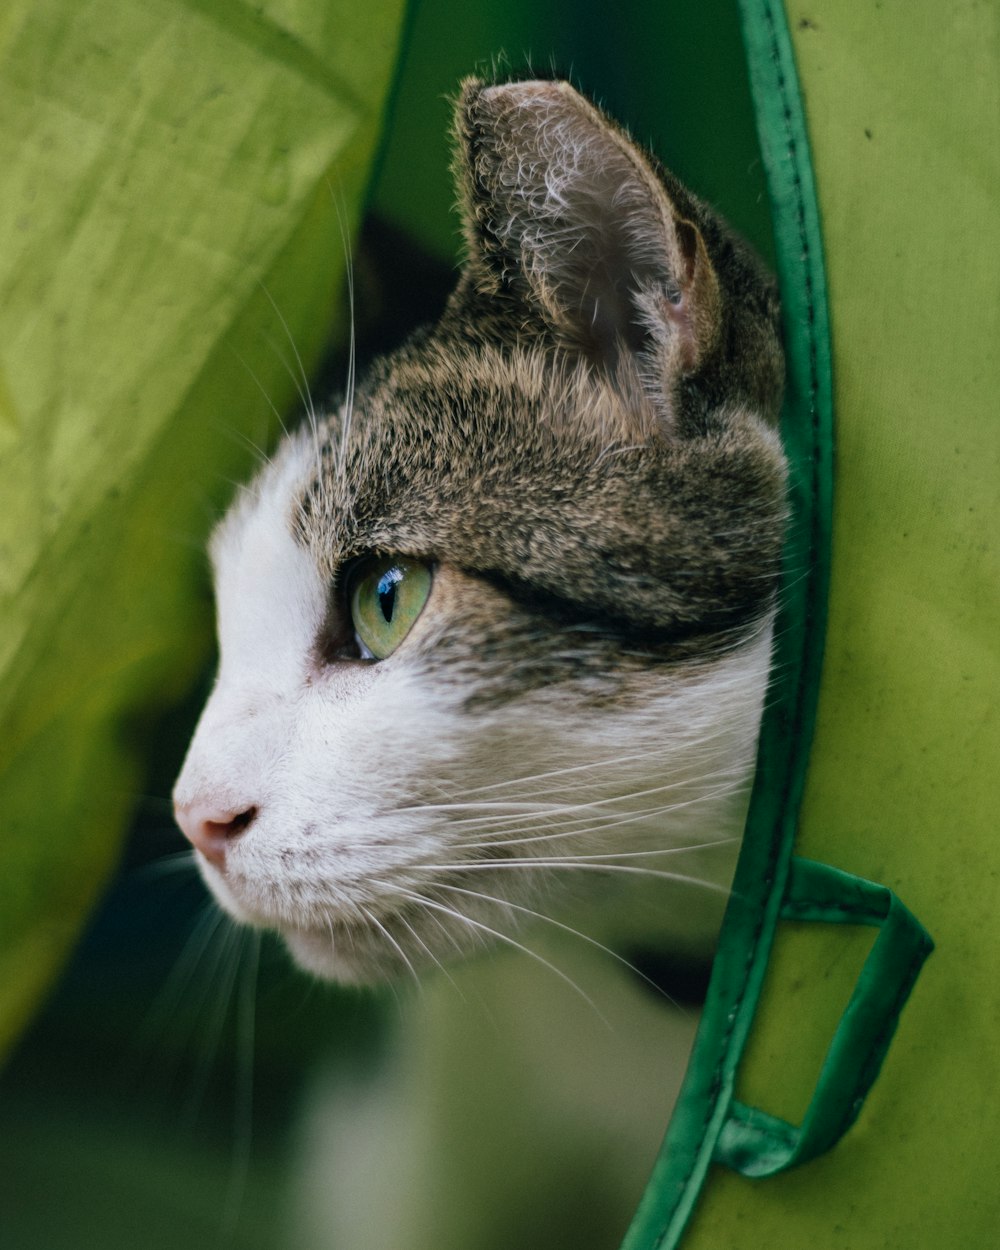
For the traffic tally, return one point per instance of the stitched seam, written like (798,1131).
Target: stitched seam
(869,1070)
(797,910)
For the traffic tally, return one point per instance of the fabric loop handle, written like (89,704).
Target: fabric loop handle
(756,1144)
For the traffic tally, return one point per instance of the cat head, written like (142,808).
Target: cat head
(494,633)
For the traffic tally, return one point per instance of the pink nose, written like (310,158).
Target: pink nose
(212,831)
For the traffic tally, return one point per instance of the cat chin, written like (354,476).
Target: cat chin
(315,952)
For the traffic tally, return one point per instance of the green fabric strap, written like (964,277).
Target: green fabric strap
(756,1144)
(709,1124)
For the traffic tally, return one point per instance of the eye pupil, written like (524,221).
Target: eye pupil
(387,593)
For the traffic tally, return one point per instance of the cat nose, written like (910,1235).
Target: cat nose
(212,831)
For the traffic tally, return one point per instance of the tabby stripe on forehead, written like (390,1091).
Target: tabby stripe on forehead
(692,637)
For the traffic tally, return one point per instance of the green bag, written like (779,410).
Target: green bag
(901,785)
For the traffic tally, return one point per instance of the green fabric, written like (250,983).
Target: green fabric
(901,103)
(168,209)
(705,1106)
(757,1144)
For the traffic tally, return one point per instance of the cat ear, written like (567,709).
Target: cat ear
(566,215)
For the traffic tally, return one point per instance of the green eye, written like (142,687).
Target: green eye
(386,596)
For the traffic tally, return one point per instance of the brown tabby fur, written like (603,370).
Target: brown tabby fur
(586,429)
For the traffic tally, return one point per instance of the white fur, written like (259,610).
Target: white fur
(372,785)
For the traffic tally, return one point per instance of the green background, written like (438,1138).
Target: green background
(168,213)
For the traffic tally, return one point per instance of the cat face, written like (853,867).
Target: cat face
(494,634)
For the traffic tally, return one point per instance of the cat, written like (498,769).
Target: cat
(495,634)
(495,630)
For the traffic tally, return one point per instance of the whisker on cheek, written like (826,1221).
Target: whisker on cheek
(407,963)
(430,953)
(166,865)
(558,924)
(246,1008)
(574,864)
(507,940)
(224,975)
(577,829)
(164,1023)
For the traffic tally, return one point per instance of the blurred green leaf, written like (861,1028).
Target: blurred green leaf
(176,179)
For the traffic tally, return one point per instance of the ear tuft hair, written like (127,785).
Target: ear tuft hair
(567,215)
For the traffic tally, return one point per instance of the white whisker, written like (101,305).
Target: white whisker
(530,839)
(551,808)
(348,406)
(574,865)
(225,967)
(302,380)
(574,829)
(172,862)
(593,769)
(267,398)
(590,767)
(246,1006)
(374,920)
(508,940)
(538,915)
(163,1012)
(429,953)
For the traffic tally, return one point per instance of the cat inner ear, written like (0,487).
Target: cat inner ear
(564,214)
